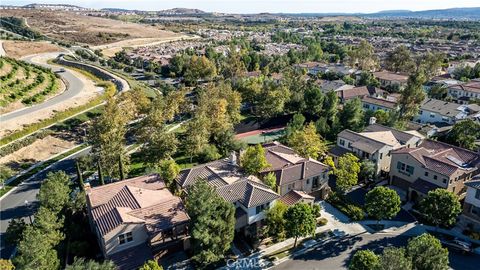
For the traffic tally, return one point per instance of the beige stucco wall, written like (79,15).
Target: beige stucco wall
(112,245)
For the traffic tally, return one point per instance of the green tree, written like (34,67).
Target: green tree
(412,96)
(300,221)
(199,68)
(55,191)
(330,106)
(107,136)
(253,160)
(313,99)
(6,265)
(270,180)
(83,264)
(275,221)
(213,223)
(196,136)
(47,222)
(438,91)
(351,115)
(400,60)
(151,265)
(427,253)
(440,207)
(432,63)
(14,231)
(307,142)
(394,258)
(35,251)
(81,185)
(368,170)
(296,124)
(157,142)
(465,133)
(364,56)
(382,203)
(272,99)
(346,171)
(364,260)
(169,170)
(233,66)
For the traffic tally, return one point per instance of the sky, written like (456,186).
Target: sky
(273,6)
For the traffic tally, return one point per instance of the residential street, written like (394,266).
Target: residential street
(336,253)
(13,205)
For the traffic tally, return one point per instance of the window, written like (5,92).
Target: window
(432,115)
(477,194)
(409,169)
(260,208)
(401,166)
(349,145)
(381,155)
(435,177)
(426,174)
(453,189)
(445,181)
(308,181)
(342,142)
(125,238)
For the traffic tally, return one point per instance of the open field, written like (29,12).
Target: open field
(24,84)
(18,49)
(71,27)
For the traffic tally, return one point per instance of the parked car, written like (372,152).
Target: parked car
(457,245)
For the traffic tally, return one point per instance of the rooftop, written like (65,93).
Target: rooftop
(143,200)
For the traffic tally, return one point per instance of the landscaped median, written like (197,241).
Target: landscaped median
(16,180)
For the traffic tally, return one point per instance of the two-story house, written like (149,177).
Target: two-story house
(135,216)
(432,165)
(438,111)
(249,195)
(470,217)
(294,172)
(464,92)
(378,103)
(345,95)
(391,80)
(374,144)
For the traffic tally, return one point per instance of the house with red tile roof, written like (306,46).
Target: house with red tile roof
(247,193)
(470,217)
(294,172)
(136,214)
(433,165)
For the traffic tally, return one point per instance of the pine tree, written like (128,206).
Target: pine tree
(79,176)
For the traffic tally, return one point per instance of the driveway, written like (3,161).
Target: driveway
(336,253)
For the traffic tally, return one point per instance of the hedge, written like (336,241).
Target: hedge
(350,209)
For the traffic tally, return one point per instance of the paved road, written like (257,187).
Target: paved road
(13,205)
(75,86)
(336,253)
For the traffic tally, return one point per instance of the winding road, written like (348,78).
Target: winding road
(74,87)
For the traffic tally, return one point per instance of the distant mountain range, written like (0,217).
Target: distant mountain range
(451,13)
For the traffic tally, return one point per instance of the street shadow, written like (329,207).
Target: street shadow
(331,248)
(23,210)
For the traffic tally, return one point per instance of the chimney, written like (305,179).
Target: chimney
(233,158)
(372,120)
(87,188)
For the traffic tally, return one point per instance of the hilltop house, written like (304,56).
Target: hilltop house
(432,165)
(374,144)
(135,218)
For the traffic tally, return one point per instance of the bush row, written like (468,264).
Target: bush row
(350,209)
(12,148)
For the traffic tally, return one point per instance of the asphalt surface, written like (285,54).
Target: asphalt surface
(74,87)
(13,205)
(336,253)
